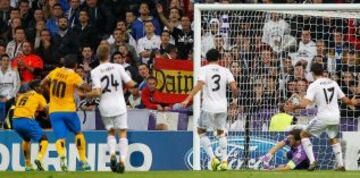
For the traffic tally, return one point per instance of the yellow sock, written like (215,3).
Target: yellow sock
(81,146)
(42,149)
(26,149)
(60,147)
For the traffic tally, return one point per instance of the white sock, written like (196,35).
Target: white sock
(223,148)
(123,145)
(305,142)
(338,154)
(111,141)
(206,144)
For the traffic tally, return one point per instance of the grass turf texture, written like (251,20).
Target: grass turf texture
(184,174)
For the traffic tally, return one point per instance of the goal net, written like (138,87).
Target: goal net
(269,50)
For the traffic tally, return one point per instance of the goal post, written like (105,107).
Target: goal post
(279,49)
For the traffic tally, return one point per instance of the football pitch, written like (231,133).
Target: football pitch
(185,174)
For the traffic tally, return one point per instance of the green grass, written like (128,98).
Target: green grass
(185,174)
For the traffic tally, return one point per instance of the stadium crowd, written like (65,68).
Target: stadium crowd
(35,35)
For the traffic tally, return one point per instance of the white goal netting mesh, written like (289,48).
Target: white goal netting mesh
(270,54)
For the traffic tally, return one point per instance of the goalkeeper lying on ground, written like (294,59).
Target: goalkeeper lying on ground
(296,156)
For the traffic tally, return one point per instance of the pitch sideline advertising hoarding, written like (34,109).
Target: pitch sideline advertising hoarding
(149,151)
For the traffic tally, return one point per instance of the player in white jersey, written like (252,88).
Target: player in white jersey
(325,93)
(108,79)
(213,80)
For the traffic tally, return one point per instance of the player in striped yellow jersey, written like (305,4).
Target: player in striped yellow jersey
(63,83)
(24,123)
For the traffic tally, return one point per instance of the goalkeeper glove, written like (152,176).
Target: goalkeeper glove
(266,160)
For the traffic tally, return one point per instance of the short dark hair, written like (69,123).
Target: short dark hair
(171,48)
(317,69)
(296,134)
(151,78)
(14,9)
(34,84)
(24,1)
(4,55)
(19,28)
(57,4)
(114,54)
(70,61)
(212,55)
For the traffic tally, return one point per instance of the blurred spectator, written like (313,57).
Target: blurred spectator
(207,40)
(121,25)
(122,35)
(130,18)
(87,33)
(134,100)
(100,16)
(38,16)
(34,34)
(338,46)
(351,62)
(300,73)
(9,84)
(144,72)
(130,54)
(4,15)
(26,14)
(53,21)
(138,26)
(301,86)
(274,31)
(171,52)
(28,64)
(182,33)
(165,42)
(291,88)
(122,39)
(73,13)
(148,96)
(131,69)
(14,47)
(8,28)
(306,51)
(48,52)
(88,60)
(2,49)
(148,43)
(10,33)
(65,39)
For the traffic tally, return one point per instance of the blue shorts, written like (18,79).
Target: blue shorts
(28,129)
(62,122)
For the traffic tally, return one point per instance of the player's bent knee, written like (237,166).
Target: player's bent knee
(201,131)
(304,134)
(221,133)
(333,141)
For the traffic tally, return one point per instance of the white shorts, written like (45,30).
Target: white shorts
(317,126)
(216,121)
(116,122)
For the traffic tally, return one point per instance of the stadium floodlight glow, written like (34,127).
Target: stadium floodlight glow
(203,13)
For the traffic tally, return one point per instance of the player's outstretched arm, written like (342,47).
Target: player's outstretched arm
(193,92)
(353,101)
(267,158)
(95,92)
(130,84)
(289,107)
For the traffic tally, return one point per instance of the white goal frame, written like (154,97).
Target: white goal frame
(197,45)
